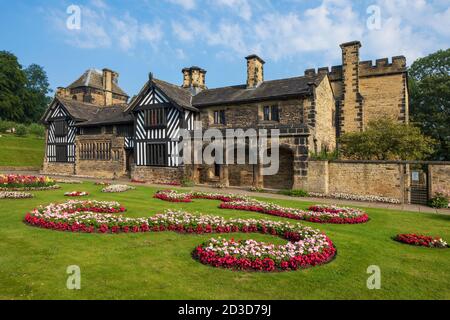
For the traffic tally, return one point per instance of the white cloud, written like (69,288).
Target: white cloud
(101,28)
(186,4)
(241,7)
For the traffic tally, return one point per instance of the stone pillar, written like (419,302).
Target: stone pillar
(224,176)
(258,178)
(255,71)
(351,117)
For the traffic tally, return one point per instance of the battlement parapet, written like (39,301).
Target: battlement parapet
(366,68)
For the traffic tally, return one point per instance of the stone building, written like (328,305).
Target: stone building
(88,133)
(310,111)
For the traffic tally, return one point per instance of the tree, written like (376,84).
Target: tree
(23,93)
(36,99)
(430,99)
(12,84)
(386,140)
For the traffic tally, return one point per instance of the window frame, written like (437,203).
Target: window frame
(64,128)
(161,158)
(219,117)
(160,114)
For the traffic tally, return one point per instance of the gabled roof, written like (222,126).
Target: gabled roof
(109,115)
(94,78)
(268,90)
(177,95)
(87,114)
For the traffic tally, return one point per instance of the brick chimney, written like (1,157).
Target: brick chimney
(255,71)
(351,108)
(109,77)
(194,78)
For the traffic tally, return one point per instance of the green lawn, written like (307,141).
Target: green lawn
(33,261)
(21,151)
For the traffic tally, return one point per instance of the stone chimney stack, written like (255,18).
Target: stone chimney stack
(62,92)
(351,105)
(255,71)
(194,78)
(109,77)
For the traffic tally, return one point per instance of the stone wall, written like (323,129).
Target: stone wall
(292,112)
(157,174)
(384,97)
(58,168)
(440,179)
(375,178)
(113,168)
(359,178)
(324,136)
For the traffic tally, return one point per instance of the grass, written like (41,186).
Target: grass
(21,151)
(33,261)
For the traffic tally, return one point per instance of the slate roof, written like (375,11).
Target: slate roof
(87,114)
(108,115)
(94,78)
(181,96)
(268,90)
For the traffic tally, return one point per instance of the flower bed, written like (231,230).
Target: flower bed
(116,188)
(355,197)
(15,195)
(306,247)
(174,196)
(15,182)
(421,240)
(68,181)
(76,194)
(318,214)
(101,183)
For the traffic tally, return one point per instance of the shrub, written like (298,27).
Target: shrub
(295,193)
(21,130)
(187,183)
(6,125)
(37,130)
(324,155)
(440,200)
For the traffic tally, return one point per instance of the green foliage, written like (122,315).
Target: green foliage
(37,130)
(324,155)
(386,139)
(23,92)
(187,183)
(21,130)
(440,201)
(6,125)
(295,193)
(430,99)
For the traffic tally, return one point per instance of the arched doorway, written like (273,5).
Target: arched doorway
(284,179)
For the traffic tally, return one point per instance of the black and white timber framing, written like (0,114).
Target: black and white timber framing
(61,136)
(156,141)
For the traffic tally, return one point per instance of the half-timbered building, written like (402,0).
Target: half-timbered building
(94,135)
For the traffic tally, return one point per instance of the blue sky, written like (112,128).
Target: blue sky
(135,37)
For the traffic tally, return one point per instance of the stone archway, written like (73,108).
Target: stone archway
(284,179)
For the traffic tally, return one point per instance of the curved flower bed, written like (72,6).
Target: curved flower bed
(15,195)
(116,188)
(76,194)
(318,214)
(306,247)
(421,240)
(174,196)
(14,182)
